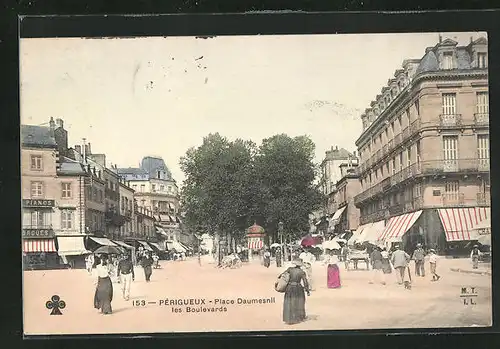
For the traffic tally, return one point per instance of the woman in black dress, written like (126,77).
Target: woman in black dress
(104,291)
(294,304)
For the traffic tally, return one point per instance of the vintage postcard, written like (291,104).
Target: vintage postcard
(255,183)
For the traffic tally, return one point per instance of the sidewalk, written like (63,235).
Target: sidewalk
(464,265)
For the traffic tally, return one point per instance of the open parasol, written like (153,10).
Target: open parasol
(275,245)
(331,245)
(107,250)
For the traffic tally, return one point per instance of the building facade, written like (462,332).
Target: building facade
(156,190)
(53,193)
(424,150)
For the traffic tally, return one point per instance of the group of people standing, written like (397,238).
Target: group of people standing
(277,255)
(123,269)
(383,263)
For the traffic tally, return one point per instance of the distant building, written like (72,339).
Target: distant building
(156,190)
(425,162)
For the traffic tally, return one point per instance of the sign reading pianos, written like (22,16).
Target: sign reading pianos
(38,203)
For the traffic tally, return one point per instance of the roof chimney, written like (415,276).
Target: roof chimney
(78,148)
(471,40)
(52,125)
(440,38)
(60,123)
(337,147)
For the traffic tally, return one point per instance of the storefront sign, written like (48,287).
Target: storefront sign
(38,203)
(38,233)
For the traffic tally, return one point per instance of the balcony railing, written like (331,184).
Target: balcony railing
(483,199)
(386,183)
(418,202)
(482,118)
(378,155)
(453,199)
(397,209)
(38,226)
(450,120)
(458,165)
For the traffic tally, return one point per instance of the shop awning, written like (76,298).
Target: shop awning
(170,206)
(145,245)
(458,223)
(398,226)
(358,233)
(161,231)
(373,232)
(122,244)
(255,244)
(164,218)
(185,246)
(39,245)
(154,244)
(71,246)
(177,247)
(172,220)
(336,216)
(103,241)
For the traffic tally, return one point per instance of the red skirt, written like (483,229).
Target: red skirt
(333,276)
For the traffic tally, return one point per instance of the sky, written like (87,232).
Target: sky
(161,95)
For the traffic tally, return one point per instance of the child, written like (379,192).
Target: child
(433,262)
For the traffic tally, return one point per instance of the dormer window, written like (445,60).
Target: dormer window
(158,174)
(482,60)
(448,60)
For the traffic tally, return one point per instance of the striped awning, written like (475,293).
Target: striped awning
(175,246)
(71,246)
(398,226)
(458,223)
(39,245)
(255,244)
(161,231)
(373,232)
(103,241)
(145,245)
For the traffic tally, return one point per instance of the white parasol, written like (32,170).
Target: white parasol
(331,245)
(274,245)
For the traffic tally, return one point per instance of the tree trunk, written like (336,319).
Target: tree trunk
(285,249)
(217,248)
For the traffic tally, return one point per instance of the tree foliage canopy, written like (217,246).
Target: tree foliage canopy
(230,183)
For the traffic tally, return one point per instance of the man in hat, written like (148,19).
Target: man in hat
(418,257)
(433,263)
(126,275)
(400,260)
(474,255)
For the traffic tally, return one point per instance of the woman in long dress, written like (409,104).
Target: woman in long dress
(294,303)
(278,257)
(104,291)
(267,259)
(386,262)
(333,272)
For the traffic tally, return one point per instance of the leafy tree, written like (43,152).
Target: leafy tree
(286,172)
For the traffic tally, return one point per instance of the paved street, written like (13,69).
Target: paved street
(357,305)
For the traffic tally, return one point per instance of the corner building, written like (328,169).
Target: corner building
(424,152)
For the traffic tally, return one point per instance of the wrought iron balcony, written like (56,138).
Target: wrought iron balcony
(390,144)
(37,226)
(482,119)
(385,149)
(484,199)
(450,120)
(453,199)
(397,209)
(386,183)
(418,202)
(450,166)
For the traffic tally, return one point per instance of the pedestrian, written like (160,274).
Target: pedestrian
(126,275)
(332,271)
(267,258)
(147,263)
(474,255)
(307,262)
(278,257)
(376,262)
(418,257)
(89,263)
(104,290)
(386,262)
(400,261)
(294,303)
(433,264)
